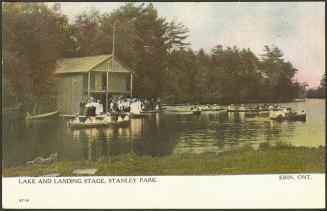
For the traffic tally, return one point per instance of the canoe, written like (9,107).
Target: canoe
(113,124)
(42,116)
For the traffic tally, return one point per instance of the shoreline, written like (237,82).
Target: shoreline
(267,159)
(241,102)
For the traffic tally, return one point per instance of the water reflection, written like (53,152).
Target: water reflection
(159,135)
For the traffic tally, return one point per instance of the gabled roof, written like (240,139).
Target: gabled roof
(91,63)
(80,64)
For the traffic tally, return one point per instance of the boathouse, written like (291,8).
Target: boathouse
(102,77)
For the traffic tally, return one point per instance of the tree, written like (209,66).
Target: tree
(149,39)
(142,39)
(33,38)
(321,91)
(279,84)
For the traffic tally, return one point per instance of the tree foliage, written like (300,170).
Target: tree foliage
(32,41)
(35,36)
(319,92)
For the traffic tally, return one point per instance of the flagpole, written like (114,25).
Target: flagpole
(113,39)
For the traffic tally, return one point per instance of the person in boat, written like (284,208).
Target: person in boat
(284,112)
(135,108)
(158,107)
(143,103)
(116,108)
(91,99)
(99,107)
(82,107)
(290,113)
(111,106)
(107,118)
(194,109)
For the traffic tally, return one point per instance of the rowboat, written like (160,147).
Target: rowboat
(140,115)
(113,124)
(299,100)
(277,117)
(248,110)
(196,112)
(297,117)
(213,109)
(118,113)
(152,111)
(137,115)
(289,117)
(178,111)
(42,116)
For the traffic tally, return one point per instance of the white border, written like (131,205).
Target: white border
(232,191)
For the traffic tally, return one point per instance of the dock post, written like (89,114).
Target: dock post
(88,85)
(131,88)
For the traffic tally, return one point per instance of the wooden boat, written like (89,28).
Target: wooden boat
(196,112)
(179,111)
(118,113)
(297,117)
(113,124)
(140,115)
(151,112)
(42,116)
(299,100)
(277,118)
(248,110)
(294,117)
(213,109)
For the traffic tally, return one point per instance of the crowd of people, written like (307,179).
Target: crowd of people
(132,105)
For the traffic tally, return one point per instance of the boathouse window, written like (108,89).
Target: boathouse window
(98,81)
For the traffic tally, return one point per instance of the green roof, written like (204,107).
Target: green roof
(86,64)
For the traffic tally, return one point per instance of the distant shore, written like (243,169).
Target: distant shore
(267,159)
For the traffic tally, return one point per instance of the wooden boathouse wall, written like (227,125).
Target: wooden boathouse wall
(69,93)
(81,78)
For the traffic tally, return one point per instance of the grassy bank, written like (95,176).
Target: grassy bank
(265,160)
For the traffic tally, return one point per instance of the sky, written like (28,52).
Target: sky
(297,28)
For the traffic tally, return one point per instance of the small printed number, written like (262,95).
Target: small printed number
(23,200)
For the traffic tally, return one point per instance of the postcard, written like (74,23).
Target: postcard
(163,105)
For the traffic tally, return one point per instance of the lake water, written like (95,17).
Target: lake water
(161,134)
